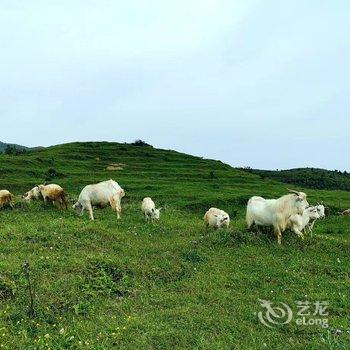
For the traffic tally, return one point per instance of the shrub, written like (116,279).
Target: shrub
(52,174)
(141,143)
(13,150)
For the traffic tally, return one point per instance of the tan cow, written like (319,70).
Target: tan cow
(6,198)
(54,193)
(345,212)
(216,218)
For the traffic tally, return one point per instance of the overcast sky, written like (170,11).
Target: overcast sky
(254,83)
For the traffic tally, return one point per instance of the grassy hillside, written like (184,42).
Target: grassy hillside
(308,177)
(126,284)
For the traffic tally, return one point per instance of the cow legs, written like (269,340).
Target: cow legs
(278,234)
(115,204)
(298,232)
(311,227)
(63,203)
(89,208)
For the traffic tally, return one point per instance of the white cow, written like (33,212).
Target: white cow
(275,212)
(34,193)
(100,194)
(321,213)
(149,210)
(297,222)
(216,218)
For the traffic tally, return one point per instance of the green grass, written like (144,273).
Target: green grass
(130,285)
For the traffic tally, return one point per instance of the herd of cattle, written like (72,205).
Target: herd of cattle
(291,211)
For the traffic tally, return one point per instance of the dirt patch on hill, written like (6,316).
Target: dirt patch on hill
(116,166)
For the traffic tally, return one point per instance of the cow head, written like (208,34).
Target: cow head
(321,210)
(221,220)
(300,201)
(313,213)
(155,213)
(77,207)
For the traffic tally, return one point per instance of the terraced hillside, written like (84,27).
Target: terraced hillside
(130,285)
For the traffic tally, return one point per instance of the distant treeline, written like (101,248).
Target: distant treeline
(308,177)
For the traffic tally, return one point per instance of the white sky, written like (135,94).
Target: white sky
(258,83)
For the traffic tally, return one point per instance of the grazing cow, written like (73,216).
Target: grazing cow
(345,212)
(6,198)
(149,210)
(54,193)
(275,212)
(51,192)
(34,193)
(321,213)
(216,218)
(100,194)
(297,222)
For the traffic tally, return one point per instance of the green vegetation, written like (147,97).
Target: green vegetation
(109,284)
(308,177)
(12,148)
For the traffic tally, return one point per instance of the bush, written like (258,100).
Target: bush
(141,143)
(53,174)
(13,150)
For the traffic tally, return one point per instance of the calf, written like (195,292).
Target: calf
(321,212)
(34,193)
(345,212)
(216,218)
(297,222)
(149,210)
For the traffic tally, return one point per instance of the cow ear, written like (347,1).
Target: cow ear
(160,208)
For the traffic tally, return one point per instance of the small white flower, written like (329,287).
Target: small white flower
(61,330)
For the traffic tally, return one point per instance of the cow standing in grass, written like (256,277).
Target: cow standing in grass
(321,214)
(100,194)
(275,212)
(216,218)
(149,210)
(297,223)
(6,198)
(51,192)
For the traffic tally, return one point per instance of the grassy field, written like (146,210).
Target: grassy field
(126,284)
